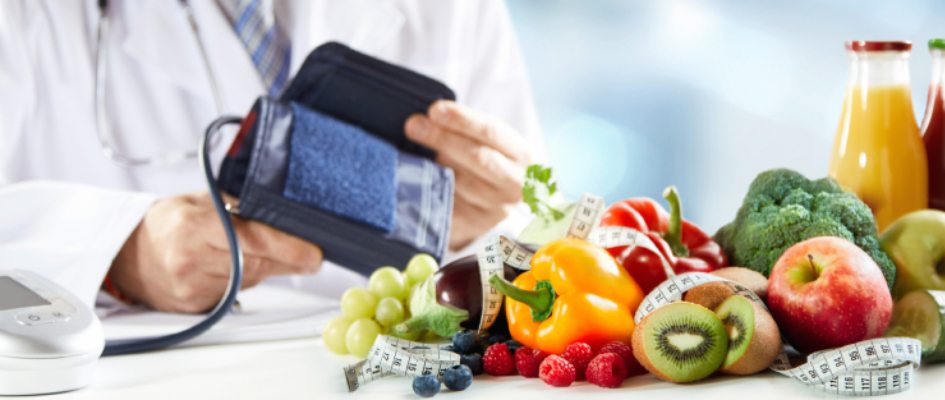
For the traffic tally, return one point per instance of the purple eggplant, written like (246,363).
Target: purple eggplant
(450,300)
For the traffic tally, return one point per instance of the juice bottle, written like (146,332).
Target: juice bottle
(878,153)
(933,127)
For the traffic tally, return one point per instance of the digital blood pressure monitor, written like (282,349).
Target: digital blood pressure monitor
(49,340)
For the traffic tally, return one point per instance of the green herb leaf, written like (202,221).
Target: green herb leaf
(537,192)
(428,315)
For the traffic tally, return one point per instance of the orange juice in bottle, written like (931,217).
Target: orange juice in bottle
(878,153)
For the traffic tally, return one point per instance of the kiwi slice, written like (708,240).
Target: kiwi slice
(680,342)
(753,338)
(920,314)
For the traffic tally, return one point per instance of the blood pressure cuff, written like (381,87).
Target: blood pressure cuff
(364,91)
(365,203)
(329,162)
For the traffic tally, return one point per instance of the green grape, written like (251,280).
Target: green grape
(361,335)
(420,267)
(390,311)
(358,303)
(388,282)
(335,335)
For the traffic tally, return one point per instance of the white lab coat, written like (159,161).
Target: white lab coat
(65,210)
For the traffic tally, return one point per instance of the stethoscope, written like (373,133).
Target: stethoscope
(106,136)
(227,302)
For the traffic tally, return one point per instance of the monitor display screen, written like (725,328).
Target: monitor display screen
(14,295)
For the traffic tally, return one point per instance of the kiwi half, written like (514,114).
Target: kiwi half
(712,294)
(753,338)
(680,342)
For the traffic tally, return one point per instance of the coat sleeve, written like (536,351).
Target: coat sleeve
(67,232)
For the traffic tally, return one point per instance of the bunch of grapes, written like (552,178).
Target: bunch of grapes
(366,313)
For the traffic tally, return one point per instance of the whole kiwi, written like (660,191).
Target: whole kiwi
(680,342)
(753,338)
(711,295)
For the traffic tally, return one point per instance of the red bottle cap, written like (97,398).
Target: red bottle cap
(879,45)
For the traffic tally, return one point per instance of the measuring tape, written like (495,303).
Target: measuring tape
(867,368)
(498,251)
(394,356)
(585,226)
(589,210)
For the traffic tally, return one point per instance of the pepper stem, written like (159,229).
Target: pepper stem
(673,234)
(539,300)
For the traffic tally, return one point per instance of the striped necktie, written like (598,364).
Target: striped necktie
(269,48)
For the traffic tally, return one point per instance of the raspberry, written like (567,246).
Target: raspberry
(527,361)
(626,353)
(556,371)
(579,355)
(607,370)
(497,360)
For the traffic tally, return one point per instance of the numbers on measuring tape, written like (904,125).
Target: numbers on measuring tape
(868,368)
(871,367)
(394,356)
(492,257)
(589,209)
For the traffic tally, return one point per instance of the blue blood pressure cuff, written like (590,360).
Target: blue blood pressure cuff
(329,162)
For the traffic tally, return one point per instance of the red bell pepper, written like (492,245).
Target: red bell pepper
(682,245)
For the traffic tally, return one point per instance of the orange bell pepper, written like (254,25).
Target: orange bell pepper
(575,292)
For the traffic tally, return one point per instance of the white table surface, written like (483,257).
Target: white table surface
(304,369)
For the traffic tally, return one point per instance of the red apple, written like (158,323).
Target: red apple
(826,292)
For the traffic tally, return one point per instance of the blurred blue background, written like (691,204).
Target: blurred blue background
(636,95)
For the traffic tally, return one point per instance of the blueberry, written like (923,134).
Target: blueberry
(426,385)
(457,377)
(473,361)
(497,338)
(513,345)
(464,342)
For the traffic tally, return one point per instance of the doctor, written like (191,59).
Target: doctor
(81,200)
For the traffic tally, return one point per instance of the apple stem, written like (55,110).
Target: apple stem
(810,261)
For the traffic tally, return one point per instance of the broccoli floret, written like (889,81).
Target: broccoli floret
(783,207)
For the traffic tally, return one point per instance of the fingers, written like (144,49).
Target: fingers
(470,220)
(462,153)
(178,258)
(479,127)
(489,159)
(288,254)
(482,194)
(216,263)
(203,279)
